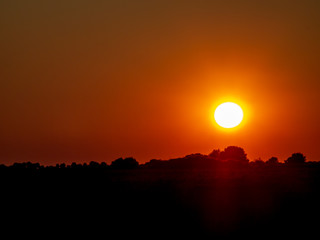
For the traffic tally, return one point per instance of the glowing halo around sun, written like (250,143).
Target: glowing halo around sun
(228,115)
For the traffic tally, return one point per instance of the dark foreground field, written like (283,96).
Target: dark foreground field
(249,201)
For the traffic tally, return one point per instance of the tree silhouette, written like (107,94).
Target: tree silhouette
(62,166)
(234,154)
(258,162)
(127,163)
(94,164)
(215,154)
(296,158)
(273,161)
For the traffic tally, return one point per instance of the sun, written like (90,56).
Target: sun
(228,115)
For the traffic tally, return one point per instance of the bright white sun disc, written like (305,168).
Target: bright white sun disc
(228,115)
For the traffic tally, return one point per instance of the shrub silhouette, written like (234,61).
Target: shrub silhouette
(127,163)
(215,154)
(258,163)
(26,165)
(94,164)
(234,154)
(296,158)
(273,161)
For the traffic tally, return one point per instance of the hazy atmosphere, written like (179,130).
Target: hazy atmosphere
(98,80)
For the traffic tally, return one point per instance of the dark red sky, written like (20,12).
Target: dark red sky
(97,80)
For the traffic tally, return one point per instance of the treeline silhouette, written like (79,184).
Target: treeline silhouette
(230,156)
(120,163)
(221,194)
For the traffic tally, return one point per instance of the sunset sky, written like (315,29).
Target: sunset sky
(97,80)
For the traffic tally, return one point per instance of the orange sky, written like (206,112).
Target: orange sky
(98,80)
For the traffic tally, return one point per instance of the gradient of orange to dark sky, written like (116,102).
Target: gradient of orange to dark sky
(97,80)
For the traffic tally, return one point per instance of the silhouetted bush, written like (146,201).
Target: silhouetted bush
(26,165)
(73,165)
(2,166)
(191,161)
(296,158)
(103,165)
(127,163)
(156,163)
(215,154)
(234,154)
(94,164)
(273,161)
(258,163)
